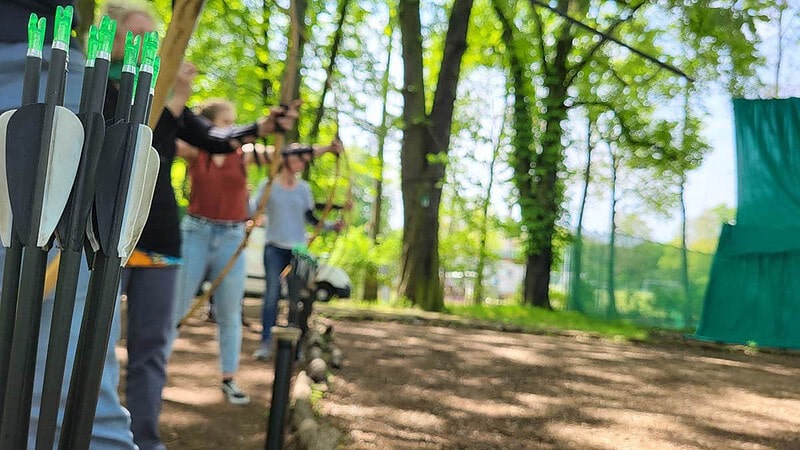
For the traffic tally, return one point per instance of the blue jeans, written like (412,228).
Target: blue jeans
(206,248)
(150,292)
(111,424)
(275,260)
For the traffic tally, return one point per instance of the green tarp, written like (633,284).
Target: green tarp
(753,295)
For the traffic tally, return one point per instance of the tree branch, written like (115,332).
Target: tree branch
(564,43)
(441,117)
(606,34)
(542,51)
(625,128)
(616,75)
(644,55)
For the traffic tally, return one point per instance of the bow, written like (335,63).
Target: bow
(337,176)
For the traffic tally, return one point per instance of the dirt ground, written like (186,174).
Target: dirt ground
(415,386)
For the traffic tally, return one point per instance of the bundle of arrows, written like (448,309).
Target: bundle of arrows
(80,187)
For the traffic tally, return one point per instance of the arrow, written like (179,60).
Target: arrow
(38,193)
(88,70)
(13,258)
(132,44)
(71,229)
(122,191)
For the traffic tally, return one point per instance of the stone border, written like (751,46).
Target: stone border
(310,433)
(320,353)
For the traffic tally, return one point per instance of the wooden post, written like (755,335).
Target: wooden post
(185,14)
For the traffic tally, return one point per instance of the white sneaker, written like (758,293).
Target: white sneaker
(263,353)
(233,394)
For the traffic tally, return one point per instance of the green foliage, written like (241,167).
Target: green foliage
(235,52)
(564,66)
(552,68)
(538,319)
(355,253)
(703,231)
(647,286)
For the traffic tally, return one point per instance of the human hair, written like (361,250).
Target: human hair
(303,152)
(211,108)
(119,10)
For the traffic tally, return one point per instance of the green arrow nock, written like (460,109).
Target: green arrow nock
(108,29)
(62,28)
(92,46)
(149,51)
(36,28)
(132,45)
(156,69)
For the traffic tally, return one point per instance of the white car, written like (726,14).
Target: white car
(330,281)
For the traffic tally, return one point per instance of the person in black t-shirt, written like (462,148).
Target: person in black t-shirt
(150,277)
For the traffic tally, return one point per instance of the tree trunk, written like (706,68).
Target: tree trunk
(521,159)
(423,136)
(534,285)
(687,293)
(370,279)
(477,291)
(184,18)
(687,300)
(541,210)
(291,69)
(575,300)
(297,42)
(336,40)
(781,9)
(611,309)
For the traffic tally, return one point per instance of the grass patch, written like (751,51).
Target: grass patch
(528,318)
(397,307)
(544,319)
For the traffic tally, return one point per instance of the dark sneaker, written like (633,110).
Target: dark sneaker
(263,353)
(233,394)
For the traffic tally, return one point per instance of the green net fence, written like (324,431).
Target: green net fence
(649,284)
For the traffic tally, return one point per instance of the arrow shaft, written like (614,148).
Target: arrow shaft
(56,77)
(122,192)
(140,103)
(125,96)
(99,308)
(149,107)
(86,87)
(13,254)
(22,362)
(63,309)
(8,310)
(30,84)
(84,385)
(99,85)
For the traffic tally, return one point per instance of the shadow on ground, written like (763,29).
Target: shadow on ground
(408,386)
(412,386)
